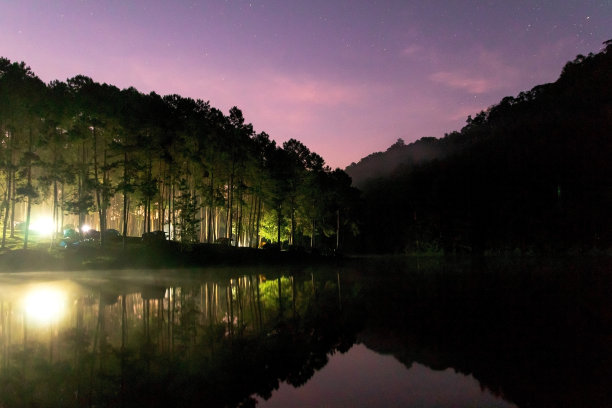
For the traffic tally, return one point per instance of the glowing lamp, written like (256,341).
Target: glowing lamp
(42,226)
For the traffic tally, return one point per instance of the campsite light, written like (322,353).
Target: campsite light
(42,226)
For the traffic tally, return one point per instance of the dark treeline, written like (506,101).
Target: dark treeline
(530,174)
(91,153)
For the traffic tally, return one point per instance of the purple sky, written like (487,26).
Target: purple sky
(345,77)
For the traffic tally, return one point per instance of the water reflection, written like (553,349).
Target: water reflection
(533,336)
(44,305)
(363,378)
(168,340)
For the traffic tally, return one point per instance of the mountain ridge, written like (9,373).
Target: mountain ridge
(529,174)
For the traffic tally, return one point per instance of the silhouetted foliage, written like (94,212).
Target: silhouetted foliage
(142,163)
(530,174)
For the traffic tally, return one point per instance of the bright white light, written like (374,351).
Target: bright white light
(42,225)
(85,228)
(44,305)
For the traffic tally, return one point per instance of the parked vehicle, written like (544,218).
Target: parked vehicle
(153,237)
(112,235)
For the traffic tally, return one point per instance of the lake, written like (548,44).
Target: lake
(390,332)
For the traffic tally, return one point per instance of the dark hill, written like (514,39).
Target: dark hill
(384,163)
(400,155)
(532,173)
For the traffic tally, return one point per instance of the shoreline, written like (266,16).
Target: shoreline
(159,256)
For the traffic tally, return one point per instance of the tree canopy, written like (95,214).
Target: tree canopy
(89,153)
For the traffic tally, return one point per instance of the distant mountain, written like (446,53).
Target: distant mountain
(530,174)
(384,163)
(401,155)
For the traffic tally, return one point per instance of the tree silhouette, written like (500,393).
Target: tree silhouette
(122,159)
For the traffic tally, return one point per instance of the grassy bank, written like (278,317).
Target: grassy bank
(41,255)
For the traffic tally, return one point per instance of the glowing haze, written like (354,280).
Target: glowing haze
(345,77)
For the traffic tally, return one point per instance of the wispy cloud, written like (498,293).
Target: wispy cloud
(463,81)
(310,91)
(488,73)
(411,50)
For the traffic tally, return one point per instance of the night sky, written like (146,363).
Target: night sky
(345,77)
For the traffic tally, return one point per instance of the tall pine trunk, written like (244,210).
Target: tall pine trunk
(230,207)
(258,222)
(30,193)
(172,205)
(7,200)
(161,208)
(13,200)
(125,198)
(249,242)
(211,206)
(239,209)
(312,237)
(105,196)
(97,182)
(278,219)
(2,216)
(148,199)
(292,237)
(55,213)
(337,229)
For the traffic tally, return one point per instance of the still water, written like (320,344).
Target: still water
(364,378)
(375,332)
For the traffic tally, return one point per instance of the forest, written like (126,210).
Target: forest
(530,174)
(81,153)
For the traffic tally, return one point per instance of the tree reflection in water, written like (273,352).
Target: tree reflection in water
(174,341)
(362,378)
(535,335)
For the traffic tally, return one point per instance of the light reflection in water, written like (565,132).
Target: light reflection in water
(108,338)
(44,304)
